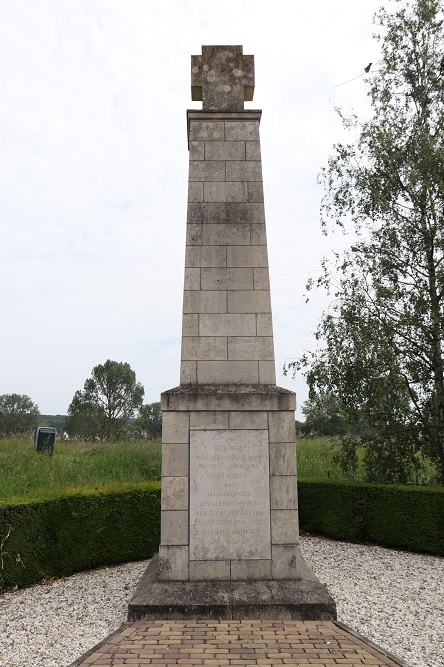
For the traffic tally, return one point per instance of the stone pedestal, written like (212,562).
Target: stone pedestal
(229,498)
(229,526)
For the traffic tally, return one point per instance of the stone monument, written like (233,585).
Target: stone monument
(229,521)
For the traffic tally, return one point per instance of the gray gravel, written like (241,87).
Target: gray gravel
(394,598)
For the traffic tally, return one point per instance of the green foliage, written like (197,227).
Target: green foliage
(149,421)
(316,457)
(63,532)
(382,356)
(107,404)
(56,421)
(75,464)
(323,416)
(404,517)
(18,414)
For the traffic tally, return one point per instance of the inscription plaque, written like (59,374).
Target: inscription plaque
(229,495)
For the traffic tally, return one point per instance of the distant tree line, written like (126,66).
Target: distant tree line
(110,407)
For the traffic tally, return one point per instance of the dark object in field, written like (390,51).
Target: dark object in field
(367,69)
(44,440)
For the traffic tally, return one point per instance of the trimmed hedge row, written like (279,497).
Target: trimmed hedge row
(61,533)
(65,532)
(404,517)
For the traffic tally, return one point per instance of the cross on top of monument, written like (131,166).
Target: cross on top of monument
(222,78)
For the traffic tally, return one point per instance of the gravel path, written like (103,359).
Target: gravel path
(394,598)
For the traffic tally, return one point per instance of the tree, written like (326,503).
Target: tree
(149,421)
(382,337)
(18,414)
(323,416)
(107,404)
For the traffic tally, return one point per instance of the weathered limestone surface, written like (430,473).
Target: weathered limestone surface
(229,493)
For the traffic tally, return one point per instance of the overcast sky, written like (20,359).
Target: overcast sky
(93,174)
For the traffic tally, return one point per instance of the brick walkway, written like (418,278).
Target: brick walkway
(302,643)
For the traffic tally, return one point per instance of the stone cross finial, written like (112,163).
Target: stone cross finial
(222,77)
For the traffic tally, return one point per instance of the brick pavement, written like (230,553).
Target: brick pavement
(321,643)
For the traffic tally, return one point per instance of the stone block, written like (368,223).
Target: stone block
(264,324)
(261,279)
(227,372)
(247,256)
(212,570)
(253,150)
(206,255)
(250,347)
(225,150)
(204,302)
(207,130)
(297,600)
(208,420)
(250,570)
(204,170)
(226,279)
(242,131)
(248,420)
(267,372)
(229,495)
(188,372)
(194,235)
(174,493)
(173,563)
(245,213)
(175,459)
(221,397)
(258,235)
(282,426)
(284,527)
(204,347)
(235,191)
(249,301)
(203,213)
(282,458)
(228,234)
(192,279)
(242,171)
(190,324)
(224,324)
(195,191)
(174,527)
(225,213)
(283,492)
(287,561)
(197,150)
(255,192)
(175,427)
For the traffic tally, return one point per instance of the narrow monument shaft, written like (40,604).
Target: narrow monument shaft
(229,509)
(229,496)
(227,335)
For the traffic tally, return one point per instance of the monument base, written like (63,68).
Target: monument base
(301,600)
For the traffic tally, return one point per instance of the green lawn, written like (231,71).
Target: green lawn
(75,464)
(314,459)
(79,464)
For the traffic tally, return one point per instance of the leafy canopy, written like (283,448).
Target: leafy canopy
(107,404)
(381,340)
(18,414)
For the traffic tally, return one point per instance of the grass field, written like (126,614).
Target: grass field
(74,464)
(78,464)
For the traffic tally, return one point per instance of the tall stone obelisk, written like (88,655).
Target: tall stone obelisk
(229,522)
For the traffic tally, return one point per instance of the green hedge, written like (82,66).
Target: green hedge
(404,517)
(63,532)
